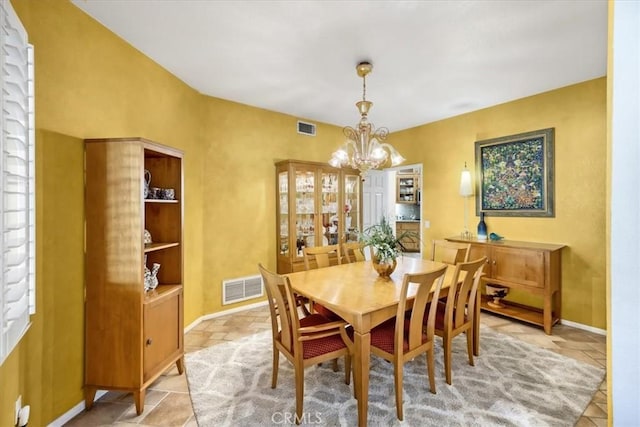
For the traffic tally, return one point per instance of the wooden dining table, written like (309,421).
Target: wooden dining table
(362,298)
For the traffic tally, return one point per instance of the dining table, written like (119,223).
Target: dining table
(356,292)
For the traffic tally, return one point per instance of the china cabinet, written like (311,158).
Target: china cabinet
(316,205)
(534,268)
(133,334)
(407,188)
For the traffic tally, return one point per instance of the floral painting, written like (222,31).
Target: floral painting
(516,174)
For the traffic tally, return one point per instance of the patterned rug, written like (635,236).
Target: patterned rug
(512,384)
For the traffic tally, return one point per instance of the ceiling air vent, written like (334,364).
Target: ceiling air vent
(306,128)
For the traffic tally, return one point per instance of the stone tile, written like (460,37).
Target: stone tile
(578,355)
(100,414)
(217,336)
(113,396)
(599,397)
(171,383)
(191,422)
(131,417)
(540,341)
(602,406)
(584,422)
(594,411)
(195,338)
(174,410)
(576,345)
(600,347)
(600,422)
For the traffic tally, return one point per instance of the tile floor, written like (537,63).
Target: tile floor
(168,403)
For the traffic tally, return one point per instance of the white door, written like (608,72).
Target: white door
(374,189)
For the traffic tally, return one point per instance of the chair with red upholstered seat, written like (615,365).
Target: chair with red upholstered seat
(456,314)
(307,341)
(402,339)
(321,257)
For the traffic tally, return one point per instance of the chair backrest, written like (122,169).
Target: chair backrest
(450,252)
(353,251)
(322,256)
(282,306)
(461,298)
(428,283)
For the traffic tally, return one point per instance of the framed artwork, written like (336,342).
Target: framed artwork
(515,175)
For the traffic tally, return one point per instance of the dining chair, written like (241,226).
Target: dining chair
(455,315)
(450,252)
(304,342)
(353,252)
(401,339)
(321,257)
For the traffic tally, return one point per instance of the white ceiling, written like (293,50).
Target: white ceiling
(432,59)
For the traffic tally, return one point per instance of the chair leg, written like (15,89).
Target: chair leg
(469,334)
(446,341)
(431,371)
(299,373)
(274,369)
(335,365)
(398,383)
(347,369)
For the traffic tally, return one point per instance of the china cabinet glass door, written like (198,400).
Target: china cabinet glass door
(283,211)
(305,209)
(352,208)
(330,218)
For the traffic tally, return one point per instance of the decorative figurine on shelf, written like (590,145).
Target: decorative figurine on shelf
(497,293)
(150,276)
(482,228)
(495,237)
(147,237)
(147,182)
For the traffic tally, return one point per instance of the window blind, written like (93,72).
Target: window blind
(17,202)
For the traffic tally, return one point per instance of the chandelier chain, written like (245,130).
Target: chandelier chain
(364,88)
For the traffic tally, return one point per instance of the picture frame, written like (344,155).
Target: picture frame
(515,175)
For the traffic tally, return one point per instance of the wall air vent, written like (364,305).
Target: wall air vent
(306,128)
(240,289)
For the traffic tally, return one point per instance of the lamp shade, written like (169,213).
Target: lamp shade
(465,183)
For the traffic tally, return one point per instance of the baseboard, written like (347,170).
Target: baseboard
(224,313)
(583,327)
(67,416)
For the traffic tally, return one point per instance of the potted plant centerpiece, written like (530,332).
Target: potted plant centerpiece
(385,245)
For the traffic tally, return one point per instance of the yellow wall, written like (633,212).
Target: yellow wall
(240,147)
(578,114)
(90,83)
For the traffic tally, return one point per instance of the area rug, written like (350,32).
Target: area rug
(512,384)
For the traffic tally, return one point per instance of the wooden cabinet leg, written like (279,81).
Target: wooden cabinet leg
(547,317)
(180,365)
(138,397)
(89,396)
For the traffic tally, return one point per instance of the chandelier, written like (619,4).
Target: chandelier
(365,148)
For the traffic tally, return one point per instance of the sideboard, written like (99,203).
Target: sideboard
(534,268)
